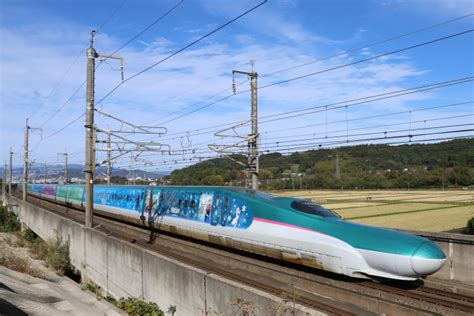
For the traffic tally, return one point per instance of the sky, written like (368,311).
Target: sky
(43,65)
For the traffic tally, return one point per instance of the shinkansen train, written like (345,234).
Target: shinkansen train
(286,228)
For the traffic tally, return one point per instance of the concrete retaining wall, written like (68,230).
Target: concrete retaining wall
(125,270)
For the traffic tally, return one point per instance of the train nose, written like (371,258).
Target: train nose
(427,259)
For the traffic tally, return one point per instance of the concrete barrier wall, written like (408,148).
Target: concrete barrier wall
(125,270)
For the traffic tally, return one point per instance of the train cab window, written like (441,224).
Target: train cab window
(312,208)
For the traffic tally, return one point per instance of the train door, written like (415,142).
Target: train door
(215,209)
(223,209)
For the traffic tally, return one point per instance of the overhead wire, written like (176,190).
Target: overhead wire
(70,67)
(345,53)
(154,22)
(278,145)
(180,50)
(396,93)
(325,71)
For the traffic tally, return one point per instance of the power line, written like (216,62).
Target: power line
(109,56)
(116,51)
(368,59)
(326,70)
(337,55)
(56,86)
(368,127)
(188,161)
(196,148)
(369,45)
(278,144)
(395,93)
(371,116)
(64,127)
(292,141)
(161,17)
(180,50)
(360,103)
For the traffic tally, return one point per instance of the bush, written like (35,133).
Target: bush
(97,290)
(54,252)
(30,236)
(135,307)
(8,221)
(56,255)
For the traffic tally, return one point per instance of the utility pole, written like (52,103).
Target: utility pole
(252,161)
(4,183)
(109,159)
(25,156)
(34,171)
(65,166)
(89,165)
(25,160)
(44,173)
(11,173)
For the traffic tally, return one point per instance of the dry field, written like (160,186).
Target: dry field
(423,210)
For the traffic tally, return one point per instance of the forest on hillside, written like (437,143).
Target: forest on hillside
(439,165)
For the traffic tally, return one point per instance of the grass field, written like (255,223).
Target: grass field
(427,210)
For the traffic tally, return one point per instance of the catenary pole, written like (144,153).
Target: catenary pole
(253,163)
(109,159)
(252,159)
(89,126)
(10,173)
(65,168)
(4,183)
(25,160)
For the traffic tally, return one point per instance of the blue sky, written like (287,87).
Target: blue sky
(41,39)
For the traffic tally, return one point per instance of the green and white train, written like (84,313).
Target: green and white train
(286,228)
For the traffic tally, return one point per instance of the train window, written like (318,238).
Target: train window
(193,203)
(179,203)
(185,203)
(312,208)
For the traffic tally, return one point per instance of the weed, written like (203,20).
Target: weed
(21,265)
(30,235)
(94,288)
(57,255)
(8,221)
(171,310)
(135,307)
(54,252)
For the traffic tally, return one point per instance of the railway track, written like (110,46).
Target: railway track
(342,296)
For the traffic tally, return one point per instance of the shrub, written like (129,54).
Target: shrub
(30,236)
(135,307)
(8,221)
(56,255)
(97,290)
(54,252)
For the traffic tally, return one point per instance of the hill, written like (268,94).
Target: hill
(439,165)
